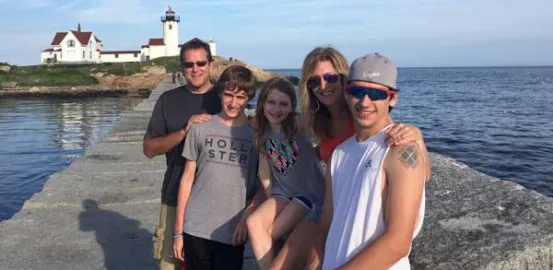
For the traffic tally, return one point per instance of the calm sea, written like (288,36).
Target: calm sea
(496,120)
(41,136)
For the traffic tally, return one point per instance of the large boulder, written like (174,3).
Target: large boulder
(154,70)
(151,76)
(220,64)
(474,221)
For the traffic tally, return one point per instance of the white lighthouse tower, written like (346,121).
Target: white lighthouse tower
(212,46)
(171,32)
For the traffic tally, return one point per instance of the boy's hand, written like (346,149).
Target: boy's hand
(240,235)
(178,248)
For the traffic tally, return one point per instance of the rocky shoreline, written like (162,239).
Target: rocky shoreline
(62,91)
(117,85)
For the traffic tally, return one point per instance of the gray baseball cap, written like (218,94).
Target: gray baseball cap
(374,68)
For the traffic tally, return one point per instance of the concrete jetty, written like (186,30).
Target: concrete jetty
(101,211)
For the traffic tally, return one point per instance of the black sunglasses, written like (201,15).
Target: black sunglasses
(191,64)
(315,81)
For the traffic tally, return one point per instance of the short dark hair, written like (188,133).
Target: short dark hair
(238,78)
(195,44)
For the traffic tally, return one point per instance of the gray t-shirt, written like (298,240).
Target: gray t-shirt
(295,167)
(218,195)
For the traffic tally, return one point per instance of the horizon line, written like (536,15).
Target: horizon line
(421,67)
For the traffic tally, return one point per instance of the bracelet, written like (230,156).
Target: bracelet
(175,236)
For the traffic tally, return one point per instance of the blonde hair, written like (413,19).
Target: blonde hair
(315,115)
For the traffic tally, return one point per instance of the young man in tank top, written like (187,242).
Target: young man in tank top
(374,204)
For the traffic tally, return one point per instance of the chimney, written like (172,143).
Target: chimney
(79,27)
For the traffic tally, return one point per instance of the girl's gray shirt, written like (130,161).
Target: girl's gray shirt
(294,165)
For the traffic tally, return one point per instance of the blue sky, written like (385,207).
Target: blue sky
(278,34)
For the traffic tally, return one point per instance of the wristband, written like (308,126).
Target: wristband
(175,236)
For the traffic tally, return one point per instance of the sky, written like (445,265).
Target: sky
(279,34)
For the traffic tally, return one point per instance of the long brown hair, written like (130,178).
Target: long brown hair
(289,125)
(315,115)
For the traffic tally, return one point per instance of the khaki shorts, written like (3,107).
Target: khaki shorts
(163,239)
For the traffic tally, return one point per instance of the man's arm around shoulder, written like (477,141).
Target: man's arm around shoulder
(156,141)
(155,146)
(404,170)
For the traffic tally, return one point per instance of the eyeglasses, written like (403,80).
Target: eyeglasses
(315,81)
(373,93)
(191,64)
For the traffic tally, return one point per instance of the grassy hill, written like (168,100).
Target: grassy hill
(77,74)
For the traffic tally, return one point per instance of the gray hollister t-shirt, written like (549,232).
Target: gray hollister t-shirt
(295,167)
(218,195)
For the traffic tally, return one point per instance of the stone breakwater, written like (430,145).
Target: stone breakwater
(101,212)
(82,90)
(474,221)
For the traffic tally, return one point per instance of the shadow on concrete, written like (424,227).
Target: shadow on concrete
(124,243)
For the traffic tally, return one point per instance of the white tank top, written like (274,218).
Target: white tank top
(357,194)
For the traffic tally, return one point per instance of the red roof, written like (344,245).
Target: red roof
(83,37)
(156,41)
(58,38)
(119,52)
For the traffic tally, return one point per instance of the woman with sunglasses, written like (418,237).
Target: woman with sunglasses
(324,110)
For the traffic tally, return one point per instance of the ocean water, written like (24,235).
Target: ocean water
(42,136)
(496,120)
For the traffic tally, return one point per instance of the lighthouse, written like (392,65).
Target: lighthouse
(171,32)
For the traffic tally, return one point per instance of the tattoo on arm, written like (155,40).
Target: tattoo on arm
(409,156)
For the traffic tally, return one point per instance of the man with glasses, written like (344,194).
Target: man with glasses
(375,199)
(174,112)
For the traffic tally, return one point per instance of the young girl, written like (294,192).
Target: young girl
(288,169)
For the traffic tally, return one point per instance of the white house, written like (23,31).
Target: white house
(85,47)
(73,46)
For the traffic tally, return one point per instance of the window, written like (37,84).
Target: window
(170,26)
(70,43)
(135,55)
(116,55)
(84,55)
(90,55)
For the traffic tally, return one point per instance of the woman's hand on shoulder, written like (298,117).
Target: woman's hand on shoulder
(403,134)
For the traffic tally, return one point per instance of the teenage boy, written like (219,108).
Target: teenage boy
(375,193)
(210,219)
